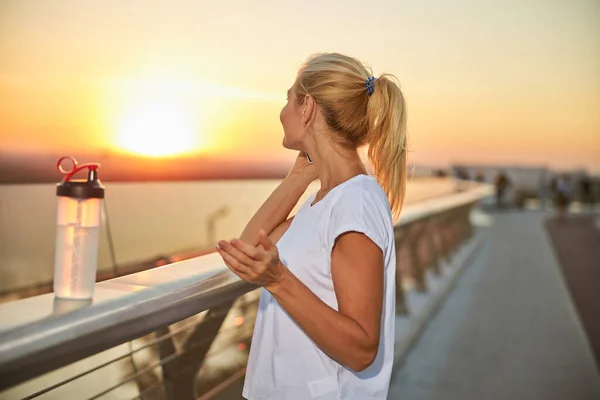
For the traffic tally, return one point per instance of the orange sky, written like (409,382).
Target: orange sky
(499,82)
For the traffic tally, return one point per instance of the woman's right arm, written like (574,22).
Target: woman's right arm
(271,216)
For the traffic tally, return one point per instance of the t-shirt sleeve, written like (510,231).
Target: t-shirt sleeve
(357,211)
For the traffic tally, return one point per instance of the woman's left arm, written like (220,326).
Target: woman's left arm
(350,335)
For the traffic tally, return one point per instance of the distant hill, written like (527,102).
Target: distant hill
(38,168)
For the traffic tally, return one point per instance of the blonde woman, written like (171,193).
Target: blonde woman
(325,325)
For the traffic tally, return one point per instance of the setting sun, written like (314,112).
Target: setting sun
(159,129)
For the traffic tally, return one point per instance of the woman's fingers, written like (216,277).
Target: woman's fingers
(232,262)
(249,250)
(252,264)
(235,271)
(236,253)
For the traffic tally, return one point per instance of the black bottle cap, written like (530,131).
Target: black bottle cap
(90,188)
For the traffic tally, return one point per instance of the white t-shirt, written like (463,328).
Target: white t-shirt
(284,363)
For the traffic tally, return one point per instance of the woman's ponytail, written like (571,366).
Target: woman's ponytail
(386,114)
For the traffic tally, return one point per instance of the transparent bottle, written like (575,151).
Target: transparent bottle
(77,232)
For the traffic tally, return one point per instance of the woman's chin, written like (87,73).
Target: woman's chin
(287,145)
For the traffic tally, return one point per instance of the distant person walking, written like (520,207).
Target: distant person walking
(562,196)
(463,174)
(585,190)
(480,177)
(501,183)
(325,324)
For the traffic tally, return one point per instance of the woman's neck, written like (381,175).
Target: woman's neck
(335,169)
(335,162)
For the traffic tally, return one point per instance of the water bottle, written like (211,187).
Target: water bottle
(77,232)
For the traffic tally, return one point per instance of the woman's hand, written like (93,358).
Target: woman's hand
(303,169)
(259,265)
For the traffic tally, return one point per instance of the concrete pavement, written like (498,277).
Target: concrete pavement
(508,330)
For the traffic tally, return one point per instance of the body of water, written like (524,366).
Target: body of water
(145,219)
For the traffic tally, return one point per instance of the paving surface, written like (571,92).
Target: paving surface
(577,245)
(508,330)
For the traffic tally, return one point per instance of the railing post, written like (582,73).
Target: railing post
(467,220)
(179,375)
(416,231)
(443,237)
(463,224)
(401,307)
(431,245)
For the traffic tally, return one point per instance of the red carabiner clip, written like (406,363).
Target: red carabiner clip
(76,167)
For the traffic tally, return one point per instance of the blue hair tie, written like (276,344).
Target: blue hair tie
(370,85)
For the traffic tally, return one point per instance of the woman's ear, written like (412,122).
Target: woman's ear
(308,110)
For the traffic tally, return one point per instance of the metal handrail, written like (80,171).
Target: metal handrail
(435,206)
(42,346)
(32,349)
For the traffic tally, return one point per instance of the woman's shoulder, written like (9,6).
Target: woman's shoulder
(362,198)
(361,205)
(363,188)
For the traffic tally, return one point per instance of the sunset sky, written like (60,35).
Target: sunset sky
(512,81)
